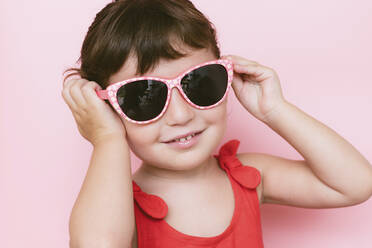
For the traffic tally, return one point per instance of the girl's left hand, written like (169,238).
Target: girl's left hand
(257,87)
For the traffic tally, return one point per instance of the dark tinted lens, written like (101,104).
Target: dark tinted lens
(142,100)
(205,85)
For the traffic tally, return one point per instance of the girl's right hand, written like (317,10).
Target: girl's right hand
(96,121)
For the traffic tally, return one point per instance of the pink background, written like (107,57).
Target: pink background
(321,51)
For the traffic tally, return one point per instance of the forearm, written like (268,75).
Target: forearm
(332,159)
(103,211)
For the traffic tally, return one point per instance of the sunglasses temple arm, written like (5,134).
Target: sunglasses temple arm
(102,94)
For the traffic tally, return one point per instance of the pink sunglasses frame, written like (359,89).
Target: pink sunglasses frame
(111,91)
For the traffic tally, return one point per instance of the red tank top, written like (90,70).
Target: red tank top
(245,226)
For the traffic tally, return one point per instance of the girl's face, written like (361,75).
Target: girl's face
(146,140)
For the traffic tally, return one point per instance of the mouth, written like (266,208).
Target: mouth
(185,142)
(184,139)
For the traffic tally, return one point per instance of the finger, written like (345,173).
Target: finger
(70,103)
(240,60)
(237,83)
(76,94)
(67,97)
(252,70)
(225,57)
(70,78)
(89,92)
(259,72)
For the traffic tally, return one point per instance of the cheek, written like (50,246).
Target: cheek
(217,115)
(140,135)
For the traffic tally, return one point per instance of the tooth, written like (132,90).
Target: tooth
(184,139)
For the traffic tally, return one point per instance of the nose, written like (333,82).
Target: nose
(179,111)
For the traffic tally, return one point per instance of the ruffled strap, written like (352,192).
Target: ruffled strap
(245,175)
(152,205)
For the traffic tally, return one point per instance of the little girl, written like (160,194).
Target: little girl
(152,81)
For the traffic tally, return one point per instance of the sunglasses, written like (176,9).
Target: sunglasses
(143,100)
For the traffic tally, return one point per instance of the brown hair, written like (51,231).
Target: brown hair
(145,28)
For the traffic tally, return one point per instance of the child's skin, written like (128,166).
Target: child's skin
(332,174)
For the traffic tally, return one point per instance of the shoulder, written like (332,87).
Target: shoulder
(276,169)
(255,160)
